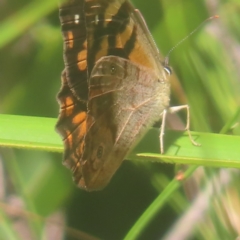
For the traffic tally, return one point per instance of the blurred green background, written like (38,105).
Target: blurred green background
(207,65)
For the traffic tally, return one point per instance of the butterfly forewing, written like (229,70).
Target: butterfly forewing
(71,124)
(74,91)
(72,17)
(115,28)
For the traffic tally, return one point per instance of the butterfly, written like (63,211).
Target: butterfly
(115,86)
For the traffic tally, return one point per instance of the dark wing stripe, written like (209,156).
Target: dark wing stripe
(72,18)
(129,46)
(117,26)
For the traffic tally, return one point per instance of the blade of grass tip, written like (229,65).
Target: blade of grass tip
(156,206)
(16,24)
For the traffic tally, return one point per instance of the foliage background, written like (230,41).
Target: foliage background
(207,65)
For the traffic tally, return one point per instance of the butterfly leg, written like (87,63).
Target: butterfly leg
(164,114)
(187,128)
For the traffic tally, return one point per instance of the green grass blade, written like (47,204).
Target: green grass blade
(155,207)
(29,133)
(216,150)
(7,230)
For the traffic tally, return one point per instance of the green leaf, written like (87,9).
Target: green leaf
(216,150)
(29,133)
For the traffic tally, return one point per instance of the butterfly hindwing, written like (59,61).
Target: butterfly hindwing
(119,115)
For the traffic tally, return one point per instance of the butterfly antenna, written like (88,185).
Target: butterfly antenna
(208,19)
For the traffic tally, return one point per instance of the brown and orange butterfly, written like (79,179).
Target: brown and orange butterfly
(115,86)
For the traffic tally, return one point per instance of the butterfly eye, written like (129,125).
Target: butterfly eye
(113,69)
(100,152)
(168,70)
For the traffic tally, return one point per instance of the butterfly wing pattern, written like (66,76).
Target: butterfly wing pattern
(114,87)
